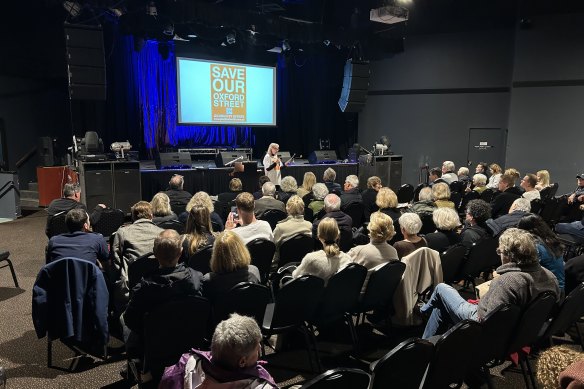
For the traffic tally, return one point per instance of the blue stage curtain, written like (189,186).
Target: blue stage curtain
(155,81)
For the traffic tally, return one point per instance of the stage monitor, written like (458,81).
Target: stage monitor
(211,93)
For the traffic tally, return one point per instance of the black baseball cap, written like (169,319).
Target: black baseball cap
(580,176)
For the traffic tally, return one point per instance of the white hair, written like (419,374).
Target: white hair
(463,171)
(234,338)
(479,179)
(449,165)
(289,184)
(329,175)
(410,222)
(332,202)
(521,204)
(352,180)
(425,194)
(268,189)
(319,190)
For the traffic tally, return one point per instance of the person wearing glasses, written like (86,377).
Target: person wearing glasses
(518,281)
(273,165)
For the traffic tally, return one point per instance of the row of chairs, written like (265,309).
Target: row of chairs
(109,222)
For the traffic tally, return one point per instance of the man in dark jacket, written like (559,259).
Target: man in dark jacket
(170,282)
(332,208)
(268,201)
(351,193)
(519,208)
(508,193)
(179,198)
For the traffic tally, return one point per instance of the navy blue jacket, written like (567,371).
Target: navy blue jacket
(70,300)
(85,245)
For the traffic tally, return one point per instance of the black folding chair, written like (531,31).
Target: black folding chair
(417,192)
(109,222)
(308,214)
(295,248)
(340,378)
(536,206)
(262,253)
(142,267)
(452,260)
(356,212)
(245,298)
(488,195)
(201,260)
(4,258)
(273,216)
(449,365)
(570,311)
(545,193)
(554,190)
(405,193)
(57,225)
(428,225)
(457,187)
(404,366)
(482,257)
(472,195)
(172,225)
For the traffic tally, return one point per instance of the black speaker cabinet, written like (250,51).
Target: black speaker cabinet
(225,157)
(387,167)
(323,156)
(46,152)
(178,160)
(355,86)
(9,195)
(127,185)
(85,62)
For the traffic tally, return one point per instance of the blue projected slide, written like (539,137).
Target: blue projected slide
(225,93)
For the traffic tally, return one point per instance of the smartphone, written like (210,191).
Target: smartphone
(234,212)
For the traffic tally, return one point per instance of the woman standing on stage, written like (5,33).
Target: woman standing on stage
(273,165)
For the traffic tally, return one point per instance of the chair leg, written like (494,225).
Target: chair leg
(579,334)
(13,273)
(521,364)
(531,376)
(49,353)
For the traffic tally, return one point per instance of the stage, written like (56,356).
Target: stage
(213,180)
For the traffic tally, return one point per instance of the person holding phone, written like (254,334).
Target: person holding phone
(243,215)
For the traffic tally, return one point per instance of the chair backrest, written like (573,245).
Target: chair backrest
(417,191)
(456,198)
(498,327)
(452,260)
(345,240)
(551,210)
(570,311)
(340,378)
(488,195)
(472,195)
(531,321)
(554,190)
(428,225)
(457,187)
(341,294)
(172,225)
(245,298)
(536,206)
(142,267)
(307,198)
(216,226)
(308,214)
(295,302)
(295,248)
(109,222)
(201,259)
(545,193)
(273,216)
(482,257)
(404,366)
(381,286)
(405,193)
(356,212)
(172,329)
(449,363)
(57,224)
(262,253)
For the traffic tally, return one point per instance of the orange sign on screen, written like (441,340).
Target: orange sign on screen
(228,93)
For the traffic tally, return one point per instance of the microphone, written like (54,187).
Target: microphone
(235,160)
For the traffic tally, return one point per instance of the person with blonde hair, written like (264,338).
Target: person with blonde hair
(410,225)
(447,222)
(202,199)
(496,173)
(328,261)
(479,182)
(369,195)
(161,211)
(307,184)
(554,361)
(386,201)
(543,179)
(441,195)
(520,280)
(293,225)
(230,265)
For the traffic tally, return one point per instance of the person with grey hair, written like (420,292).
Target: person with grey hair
(179,198)
(447,222)
(520,207)
(410,225)
(329,176)
(268,200)
(319,191)
(425,205)
(520,279)
(71,199)
(479,183)
(463,176)
(448,174)
(233,360)
(288,188)
(332,209)
(351,193)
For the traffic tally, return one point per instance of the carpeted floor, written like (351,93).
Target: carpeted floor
(25,357)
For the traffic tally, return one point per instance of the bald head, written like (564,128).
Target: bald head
(332,203)
(176,182)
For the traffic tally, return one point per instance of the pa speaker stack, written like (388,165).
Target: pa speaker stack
(85,62)
(355,86)
(322,156)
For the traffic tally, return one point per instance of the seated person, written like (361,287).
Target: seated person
(386,200)
(232,361)
(520,280)
(71,199)
(425,206)
(80,242)
(448,174)
(464,177)
(131,242)
(329,176)
(288,187)
(293,225)
(435,176)
(332,209)
(550,250)
(202,199)
(249,228)
(198,232)
(410,225)
(441,195)
(576,229)
(230,265)
(377,251)
(516,175)
(482,168)
(519,208)
(261,181)
(528,183)
(479,183)
(502,201)
(235,188)
(543,179)
(369,196)
(351,192)
(307,184)
(574,273)
(161,210)
(446,235)
(268,201)
(177,195)
(171,281)
(577,197)
(328,261)
(495,172)
(319,192)
(477,213)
